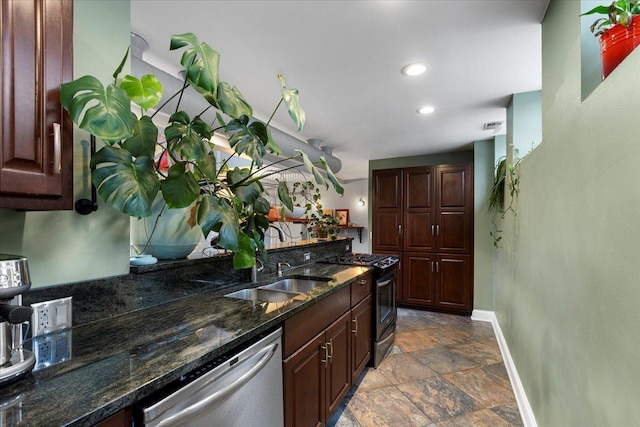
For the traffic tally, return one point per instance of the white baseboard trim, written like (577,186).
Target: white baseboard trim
(483,316)
(528,419)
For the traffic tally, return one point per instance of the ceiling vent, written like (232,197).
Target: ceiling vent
(492,126)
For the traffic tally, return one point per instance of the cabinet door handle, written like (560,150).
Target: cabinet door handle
(362,282)
(432,229)
(57,148)
(330,348)
(437,230)
(432,266)
(355,322)
(400,229)
(437,267)
(326,355)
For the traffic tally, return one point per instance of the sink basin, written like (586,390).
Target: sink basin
(264,295)
(294,284)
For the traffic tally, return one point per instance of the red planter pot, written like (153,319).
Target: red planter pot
(618,42)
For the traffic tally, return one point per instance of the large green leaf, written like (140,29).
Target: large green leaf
(249,139)
(216,214)
(207,166)
(284,195)
(231,101)
(189,139)
(248,192)
(271,144)
(201,62)
(290,97)
(144,139)
(245,255)
(180,188)
(103,112)
(261,206)
(308,164)
(129,186)
(332,177)
(145,92)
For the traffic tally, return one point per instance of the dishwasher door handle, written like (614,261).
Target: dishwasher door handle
(223,392)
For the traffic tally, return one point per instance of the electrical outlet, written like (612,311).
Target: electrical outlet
(50,316)
(307,256)
(51,349)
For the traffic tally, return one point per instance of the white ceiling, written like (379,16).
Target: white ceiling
(345,58)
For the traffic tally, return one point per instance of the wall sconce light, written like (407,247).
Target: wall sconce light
(361,201)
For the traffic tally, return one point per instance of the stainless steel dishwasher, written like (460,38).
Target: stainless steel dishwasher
(243,390)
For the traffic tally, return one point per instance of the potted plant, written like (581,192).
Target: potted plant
(323,226)
(619,31)
(129,174)
(495,201)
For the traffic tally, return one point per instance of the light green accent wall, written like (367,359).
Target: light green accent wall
(590,63)
(524,125)
(483,152)
(500,148)
(64,246)
(567,280)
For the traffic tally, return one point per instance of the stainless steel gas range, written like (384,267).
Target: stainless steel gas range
(384,297)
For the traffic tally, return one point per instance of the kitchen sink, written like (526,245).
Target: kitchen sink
(281,290)
(295,284)
(264,295)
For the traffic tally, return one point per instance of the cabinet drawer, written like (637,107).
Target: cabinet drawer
(360,289)
(301,327)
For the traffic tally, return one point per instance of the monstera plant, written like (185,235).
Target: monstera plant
(133,167)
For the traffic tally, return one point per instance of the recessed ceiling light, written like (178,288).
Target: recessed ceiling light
(415,69)
(427,109)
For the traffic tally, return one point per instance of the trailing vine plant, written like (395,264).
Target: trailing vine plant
(496,201)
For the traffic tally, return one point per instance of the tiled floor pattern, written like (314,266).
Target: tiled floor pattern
(443,371)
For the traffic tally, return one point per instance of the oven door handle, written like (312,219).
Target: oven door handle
(383,283)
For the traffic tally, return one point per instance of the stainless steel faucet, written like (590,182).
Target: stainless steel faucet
(280,265)
(279,230)
(255,270)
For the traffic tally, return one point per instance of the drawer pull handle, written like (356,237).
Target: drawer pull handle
(326,355)
(57,148)
(362,282)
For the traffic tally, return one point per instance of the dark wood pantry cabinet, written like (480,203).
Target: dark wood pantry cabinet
(425,216)
(36,146)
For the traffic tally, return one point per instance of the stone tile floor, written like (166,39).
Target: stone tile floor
(443,371)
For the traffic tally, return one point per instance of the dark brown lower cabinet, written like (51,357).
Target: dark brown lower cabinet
(437,281)
(124,418)
(318,376)
(326,346)
(305,385)
(362,336)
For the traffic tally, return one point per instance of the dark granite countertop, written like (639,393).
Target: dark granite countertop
(119,360)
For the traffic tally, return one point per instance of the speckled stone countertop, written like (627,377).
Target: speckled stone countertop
(119,360)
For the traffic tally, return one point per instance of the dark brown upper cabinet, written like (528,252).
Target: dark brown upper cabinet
(36,145)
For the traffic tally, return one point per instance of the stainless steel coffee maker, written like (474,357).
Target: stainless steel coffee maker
(14,281)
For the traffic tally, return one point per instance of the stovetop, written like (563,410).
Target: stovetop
(369,260)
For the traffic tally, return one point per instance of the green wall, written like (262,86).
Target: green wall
(567,280)
(483,167)
(63,246)
(524,127)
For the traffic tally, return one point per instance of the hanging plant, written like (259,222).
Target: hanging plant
(496,200)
